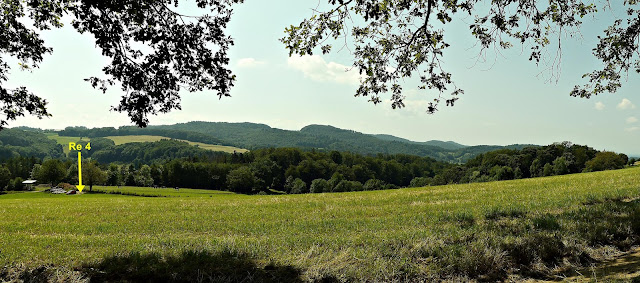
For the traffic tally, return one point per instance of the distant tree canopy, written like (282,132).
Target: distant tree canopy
(155,51)
(15,142)
(555,159)
(254,136)
(392,40)
(173,163)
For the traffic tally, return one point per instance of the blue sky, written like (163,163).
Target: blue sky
(505,102)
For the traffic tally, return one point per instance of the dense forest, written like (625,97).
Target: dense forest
(173,163)
(105,151)
(556,159)
(15,142)
(254,136)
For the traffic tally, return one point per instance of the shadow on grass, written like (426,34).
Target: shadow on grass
(624,269)
(190,266)
(540,245)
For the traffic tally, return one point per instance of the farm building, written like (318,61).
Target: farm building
(28,184)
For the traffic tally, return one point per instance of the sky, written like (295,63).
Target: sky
(507,99)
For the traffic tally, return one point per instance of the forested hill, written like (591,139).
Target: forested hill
(16,142)
(450,145)
(253,136)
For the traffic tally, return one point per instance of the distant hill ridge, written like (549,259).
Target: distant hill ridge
(321,137)
(253,135)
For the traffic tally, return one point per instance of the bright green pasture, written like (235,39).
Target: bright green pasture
(64,141)
(145,138)
(375,236)
(118,140)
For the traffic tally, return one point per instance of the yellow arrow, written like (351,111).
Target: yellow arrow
(80,186)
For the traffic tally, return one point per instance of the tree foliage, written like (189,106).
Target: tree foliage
(52,171)
(253,136)
(606,160)
(14,142)
(241,180)
(93,175)
(391,40)
(154,50)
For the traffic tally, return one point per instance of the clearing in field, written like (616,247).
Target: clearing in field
(543,228)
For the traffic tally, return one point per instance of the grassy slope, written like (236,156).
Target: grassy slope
(63,140)
(380,235)
(127,139)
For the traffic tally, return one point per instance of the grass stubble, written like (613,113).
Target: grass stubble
(544,228)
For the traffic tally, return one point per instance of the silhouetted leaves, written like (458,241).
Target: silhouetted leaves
(394,41)
(155,51)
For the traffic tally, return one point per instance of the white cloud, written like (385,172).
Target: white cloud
(632,129)
(626,104)
(249,63)
(317,69)
(599,105)
(632,120)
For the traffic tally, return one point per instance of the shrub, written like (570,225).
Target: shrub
(438,180)
(16,184)
(605,161)
(373,184)
(5,177)
(547,170)
(501,173)
(560,166)
(299,187)
(320,186)
(241,180)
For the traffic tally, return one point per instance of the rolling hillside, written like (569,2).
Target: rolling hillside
(250,135)
(450,145)
(16,142)
(237,137)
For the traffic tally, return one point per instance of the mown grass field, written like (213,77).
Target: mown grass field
(64,141)
(533,228)
(118,140)
(143,138)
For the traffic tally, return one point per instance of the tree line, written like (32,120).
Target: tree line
(555,159)
(292,170)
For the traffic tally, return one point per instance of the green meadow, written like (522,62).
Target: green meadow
(64,140)
(542,228)
(144,138)
(118,140)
